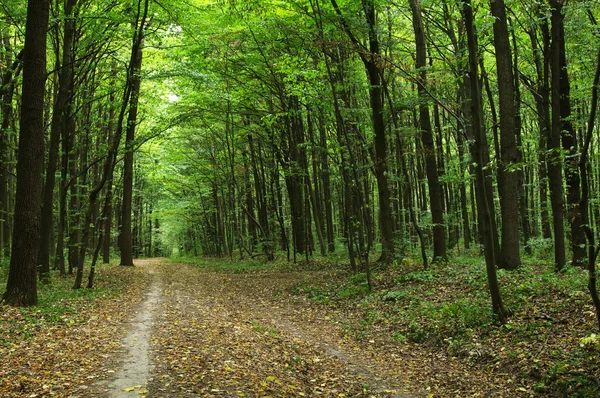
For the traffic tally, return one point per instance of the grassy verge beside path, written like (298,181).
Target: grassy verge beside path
(548,347)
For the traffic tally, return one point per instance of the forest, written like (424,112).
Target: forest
(407,191)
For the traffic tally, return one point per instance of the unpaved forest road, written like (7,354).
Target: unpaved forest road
(201,333)
(205,334)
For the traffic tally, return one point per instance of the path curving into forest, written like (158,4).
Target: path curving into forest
(135,363)
(200,333)
(205,333)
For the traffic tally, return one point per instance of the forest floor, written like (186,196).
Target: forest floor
(243,330)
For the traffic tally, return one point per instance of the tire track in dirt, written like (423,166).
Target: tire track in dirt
(135,363)
(229,335)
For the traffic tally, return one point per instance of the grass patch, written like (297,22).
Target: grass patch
(236,266)
(59,305)
(448,307)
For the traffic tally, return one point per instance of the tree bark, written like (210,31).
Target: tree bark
(433,182)
(509,155)
(479,150)
(561,122)
(373,70)
(60,113)
(21,288)
(8,89)
(541,96)
(135,81)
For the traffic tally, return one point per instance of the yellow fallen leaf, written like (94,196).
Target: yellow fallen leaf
(143,391)
(270,378)
(129,389)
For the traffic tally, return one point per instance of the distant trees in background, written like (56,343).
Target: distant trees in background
(253,129)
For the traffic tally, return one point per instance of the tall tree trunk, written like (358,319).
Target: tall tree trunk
(479,150)
(8,89)
(509,155)
(110,160)
(523,173)
(60,113)
(107,226)
(585,191)
(370,58)
(21,288)
(433,182)
(326,181)
(126,233)
(541,96)
(561,121)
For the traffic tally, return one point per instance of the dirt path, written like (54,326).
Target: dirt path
(136,366)
(201,333)
(204,334)
(235,335)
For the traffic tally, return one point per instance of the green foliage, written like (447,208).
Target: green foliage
(446,307)
(58,305)
(234,266)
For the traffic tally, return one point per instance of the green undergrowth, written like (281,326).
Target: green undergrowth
(59,304)
(448,307)
(237,266)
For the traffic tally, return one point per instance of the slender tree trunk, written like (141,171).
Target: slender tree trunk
(326,188)
(373,70)
(433,182)
(479,150)
(585,191)
(107,226)
(542,104)
(509,154)
(561,121)
(126,227)
(60,113)
(7,92)
(522,172)
(21,288)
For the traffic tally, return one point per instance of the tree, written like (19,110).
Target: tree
(371,58)
(562,125)
(21,288)
(135,81)
(480,157)
(60,114)
(508,183)
(435,191)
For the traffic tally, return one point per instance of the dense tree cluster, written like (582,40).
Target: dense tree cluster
(309,126)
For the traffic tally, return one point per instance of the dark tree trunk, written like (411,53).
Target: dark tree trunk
(21,288)
(373,70)
(107,228)
(314,193)
(110,160)
(523,173)
(7,92)
(583,165)
(561,121)
(60,113)
(554,158)
(479,150)
(509,154)
(135,81)
(326,188)
(464,212)
(433,182)
(542,104)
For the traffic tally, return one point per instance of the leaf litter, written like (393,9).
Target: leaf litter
(251,335)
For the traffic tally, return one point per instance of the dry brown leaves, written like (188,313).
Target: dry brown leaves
(47,354)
